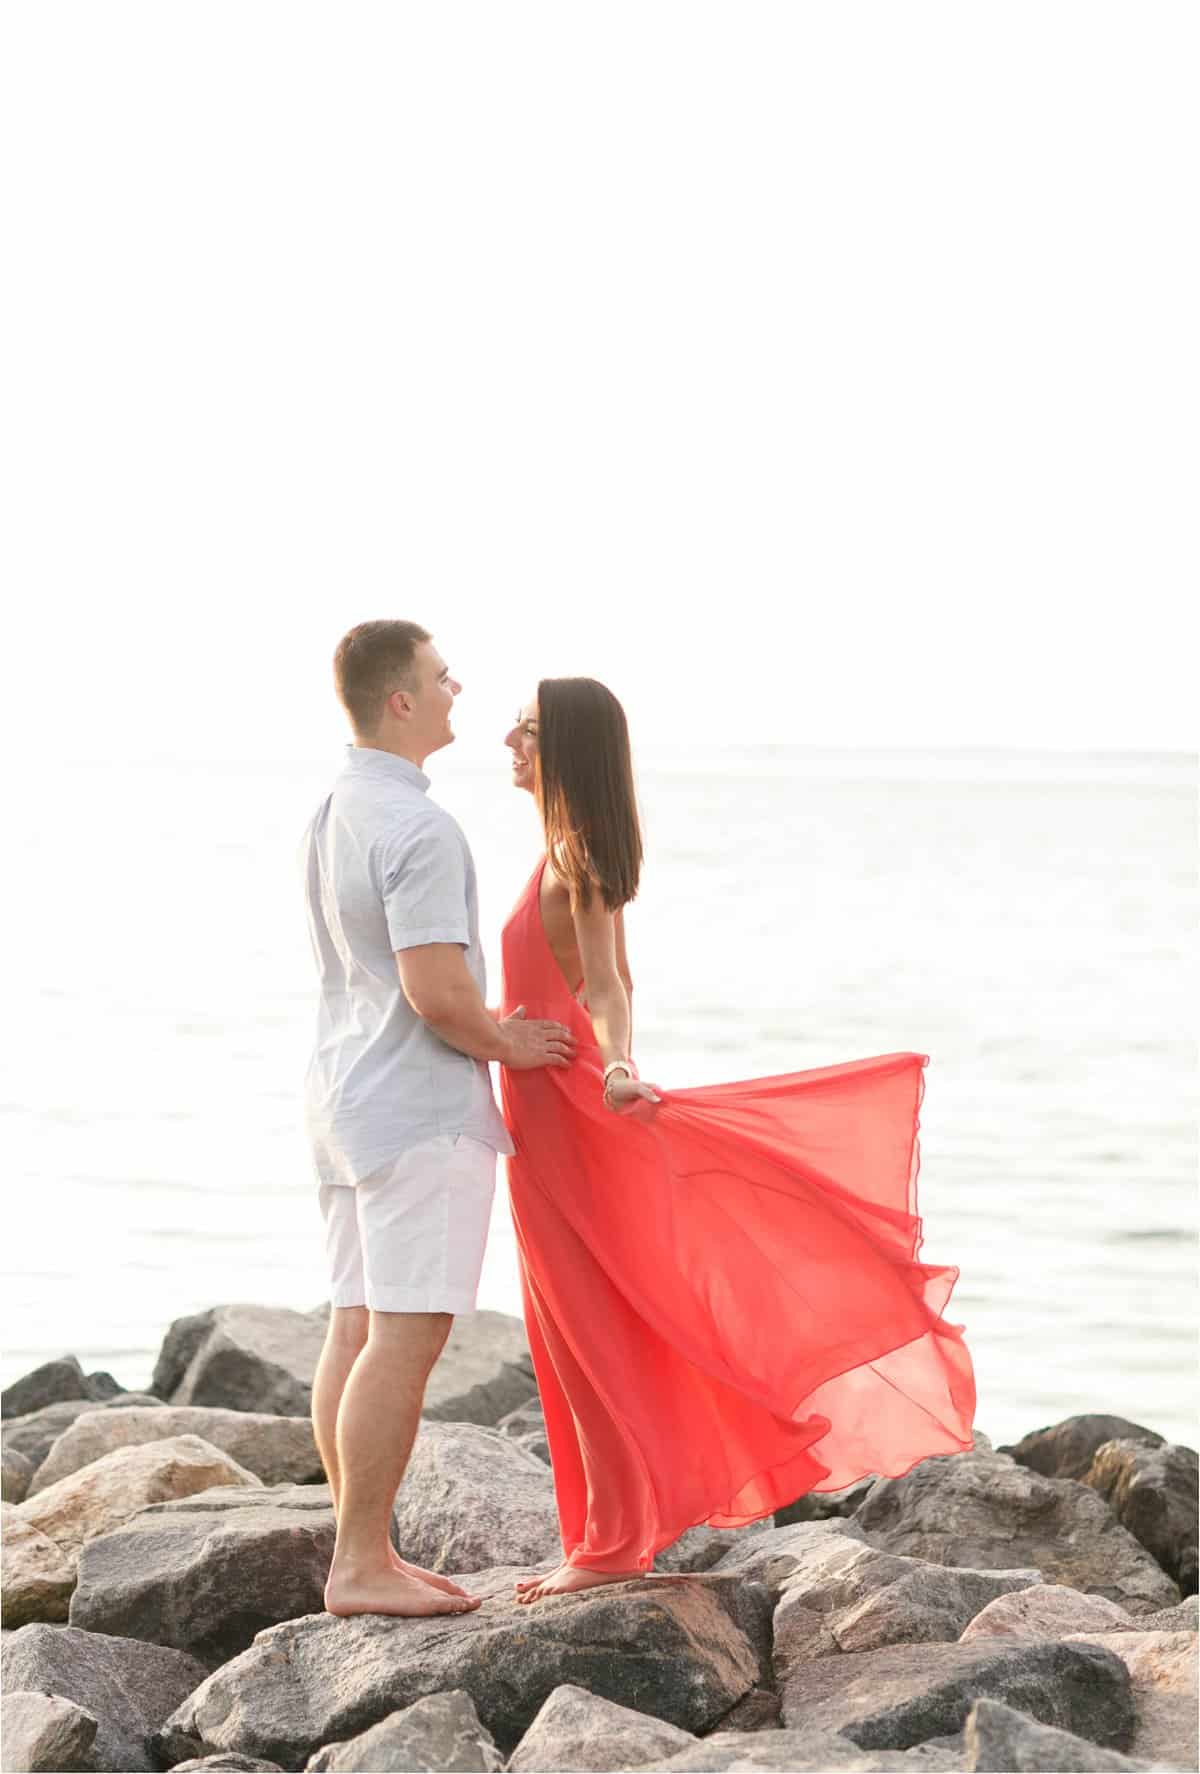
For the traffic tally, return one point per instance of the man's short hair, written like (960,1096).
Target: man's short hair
(371,661)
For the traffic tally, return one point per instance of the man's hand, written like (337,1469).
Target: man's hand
(534,1044)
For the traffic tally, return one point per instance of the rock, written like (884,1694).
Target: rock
(279,1450)
(52,1383)
(1184,1618)
(440,1732)
(484,1372)
(759,1710)
(773,1555)
(701,1548)
(1047,1610)
(229,1764)
(43,1732)
(1001,1740)
(1162,1669)
(37,1578)
(1152,1489)
(106,1494)
(17,1472)
(242,1358)
(206,1574)
(263,1358)
(102,1386)
(666,1646)
(576,1732)
(846,1597)
(34,1435)
(471,1498)
(903,1694)
(804,1751)
(526,1427)
(983,1511)
(128,1687)
(1066,1449)
(824,1505)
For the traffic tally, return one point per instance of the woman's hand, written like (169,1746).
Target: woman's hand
(625,1094)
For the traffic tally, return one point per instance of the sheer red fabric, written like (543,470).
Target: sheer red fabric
(724,1302)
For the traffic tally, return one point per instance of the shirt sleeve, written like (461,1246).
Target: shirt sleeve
(425,889)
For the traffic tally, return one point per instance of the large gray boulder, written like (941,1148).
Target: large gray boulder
(128,1687)
(806,1750)
(279,1450)
(471,1498)
(227,1764)
(51,1383)
(576,1732)
(484,1373)
(1066,1449)
(526,1425)
(207,1577)
(904,1694)
(106,1494)
(15,1474)
(774,1555)
(1000,1740)
(263,1358)
(847,1597)
(441,1733)
(43,1734)
(1153,1491)
(984,1511)
(667,1646)
(1053,1610)
(37,1576)
(32,1436)
(242,1358)
(1162,1671)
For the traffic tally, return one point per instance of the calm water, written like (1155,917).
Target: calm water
(1027,921)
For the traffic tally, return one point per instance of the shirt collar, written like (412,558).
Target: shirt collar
(368,758)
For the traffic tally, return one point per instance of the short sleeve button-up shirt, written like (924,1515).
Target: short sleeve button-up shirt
(386,868)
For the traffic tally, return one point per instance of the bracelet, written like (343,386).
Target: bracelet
(619,1065)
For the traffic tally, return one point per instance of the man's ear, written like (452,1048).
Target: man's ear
(401,704)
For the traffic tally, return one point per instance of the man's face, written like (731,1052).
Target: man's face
(431,702)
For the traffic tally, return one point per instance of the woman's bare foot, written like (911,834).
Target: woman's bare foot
(572,1577)
(524,1583)
(389,1591)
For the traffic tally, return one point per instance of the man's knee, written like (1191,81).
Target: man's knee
(420,1336)
(349,1325)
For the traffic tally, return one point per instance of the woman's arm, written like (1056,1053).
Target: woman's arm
(601,938)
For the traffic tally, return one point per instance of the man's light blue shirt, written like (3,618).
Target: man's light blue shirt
(385,868)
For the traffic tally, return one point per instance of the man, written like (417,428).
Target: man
(398,1102)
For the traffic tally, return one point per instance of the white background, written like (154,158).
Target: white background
(814,374)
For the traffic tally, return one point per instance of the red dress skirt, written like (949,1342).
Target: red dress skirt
(724,1302)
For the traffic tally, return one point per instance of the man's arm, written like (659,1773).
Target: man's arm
(438,985)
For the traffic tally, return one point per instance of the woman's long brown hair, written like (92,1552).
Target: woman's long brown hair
(585,790)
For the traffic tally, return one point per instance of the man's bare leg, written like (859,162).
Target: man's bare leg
(344,1341)
(376,1424)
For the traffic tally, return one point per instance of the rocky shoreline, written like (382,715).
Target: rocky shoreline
(1024,1607)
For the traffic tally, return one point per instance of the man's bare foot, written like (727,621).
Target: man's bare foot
(434,1579)
(390,1591)
(572,1577)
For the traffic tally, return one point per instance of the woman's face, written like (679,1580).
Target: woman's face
(521,740)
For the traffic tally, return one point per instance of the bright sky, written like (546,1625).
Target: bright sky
(810,373)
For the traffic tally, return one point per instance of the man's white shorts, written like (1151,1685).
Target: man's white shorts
(411,1237)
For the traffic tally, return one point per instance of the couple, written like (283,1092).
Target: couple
(721,1287)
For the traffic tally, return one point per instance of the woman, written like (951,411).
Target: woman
(721,1285)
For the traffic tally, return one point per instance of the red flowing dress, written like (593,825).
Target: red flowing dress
(724,1302)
